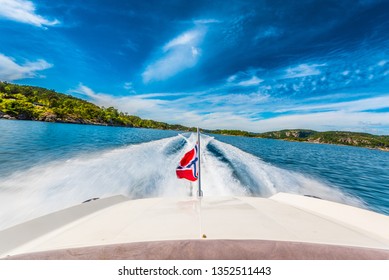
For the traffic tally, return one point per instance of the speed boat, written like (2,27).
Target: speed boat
(283,226)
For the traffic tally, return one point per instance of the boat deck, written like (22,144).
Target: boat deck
(284,223)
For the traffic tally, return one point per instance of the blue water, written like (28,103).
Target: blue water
(45,167)
(360,172)
(24,144)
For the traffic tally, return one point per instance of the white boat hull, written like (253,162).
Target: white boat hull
(284,222)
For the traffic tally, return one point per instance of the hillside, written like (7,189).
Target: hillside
(40,104)
(331,137)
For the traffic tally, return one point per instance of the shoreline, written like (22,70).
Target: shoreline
(324,143)
(84,122)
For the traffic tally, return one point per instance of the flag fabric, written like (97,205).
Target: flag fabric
(188,168)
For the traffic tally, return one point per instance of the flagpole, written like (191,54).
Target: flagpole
(200,192)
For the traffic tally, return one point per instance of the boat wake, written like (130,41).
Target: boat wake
(148,170)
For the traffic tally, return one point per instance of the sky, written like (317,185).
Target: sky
(258,65)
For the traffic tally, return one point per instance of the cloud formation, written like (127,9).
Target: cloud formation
(134,104)
(11,71)
(253,65)
(24,11)
(303,70)
(178,54)
(253,81)
(245,111)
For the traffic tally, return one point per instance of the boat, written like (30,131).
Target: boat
(279,227)
(284,226)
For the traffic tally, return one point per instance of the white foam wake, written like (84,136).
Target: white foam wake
(147,170)
(263,179)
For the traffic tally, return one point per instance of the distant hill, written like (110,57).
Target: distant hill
(40,104)
(331,137)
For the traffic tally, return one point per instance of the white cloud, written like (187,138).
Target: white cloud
(243,111)
(358,121)
(84,90)
(134,104)
(241,101)
(337,120)
(177,55)
(186,38)
(303,70)
(251,82)
(373,103)
(226,120)
(150,106)
(11,71)
(23,11)
(206,21)
(231,78)
(377,123)
(128,85)
(243,79)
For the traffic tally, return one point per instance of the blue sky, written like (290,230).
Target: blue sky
(250,65)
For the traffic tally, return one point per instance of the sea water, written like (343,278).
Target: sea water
(45,167)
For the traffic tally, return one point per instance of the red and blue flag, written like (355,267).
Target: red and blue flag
(188,168)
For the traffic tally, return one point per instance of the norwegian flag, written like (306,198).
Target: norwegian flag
(188,168)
